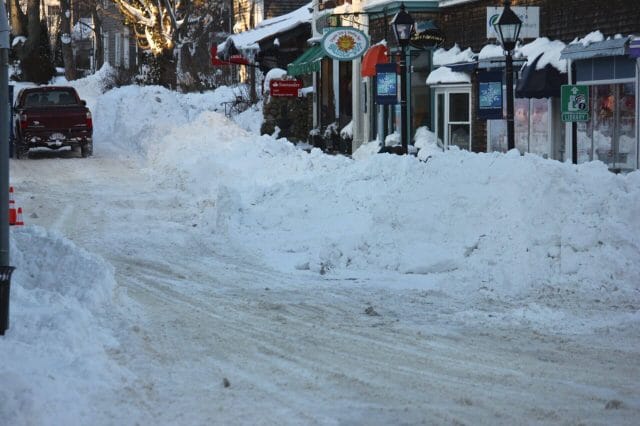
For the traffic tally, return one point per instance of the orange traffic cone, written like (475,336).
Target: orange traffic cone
(19,221)
(12,207)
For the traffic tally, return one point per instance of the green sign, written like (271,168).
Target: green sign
(574,100)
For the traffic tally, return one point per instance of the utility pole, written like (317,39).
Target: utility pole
(4,136)
(5,269)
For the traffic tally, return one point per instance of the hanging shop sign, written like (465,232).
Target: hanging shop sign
(490,95)
(427,35)
(345,43)
(634,47)
(530,17)
(574,102)
(285,87)
(386,84)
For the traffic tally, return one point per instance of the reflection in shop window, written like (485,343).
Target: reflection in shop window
(532,128)
(610,135)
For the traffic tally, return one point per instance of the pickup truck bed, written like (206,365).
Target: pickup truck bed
(51,117)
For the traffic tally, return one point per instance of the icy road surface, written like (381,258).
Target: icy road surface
(216,337)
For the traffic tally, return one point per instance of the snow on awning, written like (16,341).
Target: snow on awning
(454,55)
(539,82)
(445,75)
(598,49)
(247,41)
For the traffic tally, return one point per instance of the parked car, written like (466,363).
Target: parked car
(51,117)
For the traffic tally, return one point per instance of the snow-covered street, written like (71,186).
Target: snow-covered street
(192,272)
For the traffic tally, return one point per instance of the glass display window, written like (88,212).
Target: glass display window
(532,128)
(610,135)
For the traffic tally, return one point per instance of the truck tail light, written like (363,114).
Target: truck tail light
(23,121)
(89,120)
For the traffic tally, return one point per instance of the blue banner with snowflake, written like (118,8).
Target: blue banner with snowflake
(490,95)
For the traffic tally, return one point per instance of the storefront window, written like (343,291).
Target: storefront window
(521,124)
(420,93)
(531,128)
(627,143)
(459,127)
(539,128)
(440,113)
(610,135)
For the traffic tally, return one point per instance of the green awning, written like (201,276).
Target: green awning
(307,63)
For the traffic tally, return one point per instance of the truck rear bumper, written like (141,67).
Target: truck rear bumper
(56,139)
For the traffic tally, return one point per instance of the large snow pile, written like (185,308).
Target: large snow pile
(518,226)
(56,346)
(539,242)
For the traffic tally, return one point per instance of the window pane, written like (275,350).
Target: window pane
(603,69)
(604,121)
(521,124)
(539,137)
(459,135)
(459,107)
(585,148)
(584,70)
(627,145)
(420,92)
(498,135)
(625,67)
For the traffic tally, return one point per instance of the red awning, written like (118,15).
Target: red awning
(233,59)
(377,54)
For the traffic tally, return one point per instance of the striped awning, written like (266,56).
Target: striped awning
(307,63)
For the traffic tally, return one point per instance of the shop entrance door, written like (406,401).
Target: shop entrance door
(453,116)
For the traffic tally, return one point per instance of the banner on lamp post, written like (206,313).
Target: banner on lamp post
(490,95)
(386,84)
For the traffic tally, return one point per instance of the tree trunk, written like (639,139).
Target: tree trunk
(18,19)
(167,69)
(36,62)
(65,39)
(98,48)
(33,27)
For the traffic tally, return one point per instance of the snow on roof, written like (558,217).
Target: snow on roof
(550,51)
(592,37)
(491,51)
(454,55)
(445,75)
(248,40)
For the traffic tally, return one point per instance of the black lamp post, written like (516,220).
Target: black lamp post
(403,27)
(508,28)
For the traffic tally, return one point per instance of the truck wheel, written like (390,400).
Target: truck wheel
(87,150)
(20,150)
(76,149)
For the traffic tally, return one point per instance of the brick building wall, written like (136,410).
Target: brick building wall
(559,20)
(465,25)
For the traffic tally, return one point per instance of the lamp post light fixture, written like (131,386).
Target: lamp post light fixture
(508,28)
(403,25)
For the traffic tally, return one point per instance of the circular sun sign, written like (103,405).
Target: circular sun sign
(345,44)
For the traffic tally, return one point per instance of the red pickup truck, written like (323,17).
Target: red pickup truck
(51,117)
